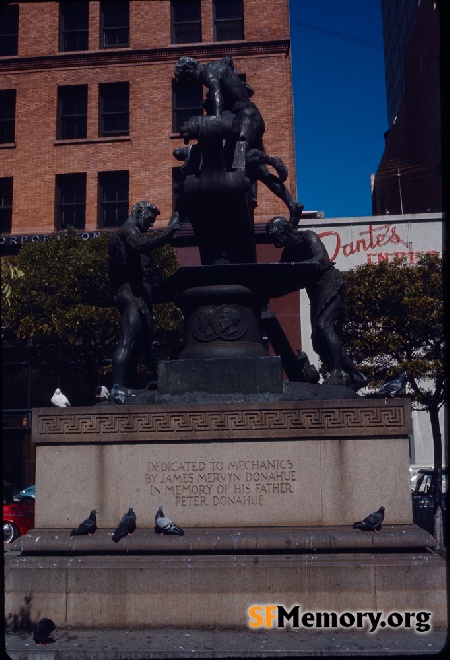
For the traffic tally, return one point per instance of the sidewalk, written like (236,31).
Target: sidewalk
(147,644)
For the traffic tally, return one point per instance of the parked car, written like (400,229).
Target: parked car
(27,493)
(414,473)
(423,499)
(18,519)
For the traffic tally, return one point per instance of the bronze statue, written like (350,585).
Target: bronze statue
(325,290)
(228,93)
(131,278)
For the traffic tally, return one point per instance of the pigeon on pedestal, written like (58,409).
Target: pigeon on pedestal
(164,526)
(59,399)
(393,387)
(102,393)
(371,523)
(126,526)
(87,527)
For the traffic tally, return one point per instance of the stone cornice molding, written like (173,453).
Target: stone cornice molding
(144,56)
(303,420)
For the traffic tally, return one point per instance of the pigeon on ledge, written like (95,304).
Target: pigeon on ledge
(43,630)
(371,523)
(118,394)
(59,399)
(164,526)
(126,526)
(393,387)
(87,527)
(102,393)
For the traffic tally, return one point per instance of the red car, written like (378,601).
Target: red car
(18,519)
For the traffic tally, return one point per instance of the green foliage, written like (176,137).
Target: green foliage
(392,320)
(9,274)
(61,313)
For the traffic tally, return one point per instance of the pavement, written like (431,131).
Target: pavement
(146,644)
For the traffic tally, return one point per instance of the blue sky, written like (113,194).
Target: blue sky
(339,102)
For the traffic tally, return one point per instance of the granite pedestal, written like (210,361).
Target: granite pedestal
(266,493)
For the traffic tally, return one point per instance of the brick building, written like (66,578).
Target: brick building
(90,112)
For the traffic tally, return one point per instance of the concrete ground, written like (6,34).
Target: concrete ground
(139,644)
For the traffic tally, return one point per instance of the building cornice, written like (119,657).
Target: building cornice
(145,56)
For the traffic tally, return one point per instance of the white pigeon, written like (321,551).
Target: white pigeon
(59,399)
(101,392)
(164,526)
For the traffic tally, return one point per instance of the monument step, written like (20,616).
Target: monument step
(238,540)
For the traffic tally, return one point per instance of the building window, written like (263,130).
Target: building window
(74,25)
(228,20)
(186,21)
(7,115)
(114,109)
(112,198)
(9,30)
(70,200)
(115,23)
(6,197)
(187,102)
(72,112)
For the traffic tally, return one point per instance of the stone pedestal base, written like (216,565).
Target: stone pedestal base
(266,493)
(233,375)
(211,577)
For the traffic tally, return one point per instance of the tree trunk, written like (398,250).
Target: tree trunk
(437,446)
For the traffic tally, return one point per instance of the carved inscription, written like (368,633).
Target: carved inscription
(221,483)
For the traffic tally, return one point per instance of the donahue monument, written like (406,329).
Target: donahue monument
(265,476)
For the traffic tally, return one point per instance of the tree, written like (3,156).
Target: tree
(9,274)
(61,314)
(392,321)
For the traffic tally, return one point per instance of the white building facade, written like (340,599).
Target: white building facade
(353,241)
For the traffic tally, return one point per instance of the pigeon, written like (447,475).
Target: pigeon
(126,526)
(43,630)
(164,526)
(87,527)
(102,393)
(59,399)
(118,394)
(371,523)
(393,387)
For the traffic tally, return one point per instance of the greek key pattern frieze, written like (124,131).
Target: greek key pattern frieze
(220,423)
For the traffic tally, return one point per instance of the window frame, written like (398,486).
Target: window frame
(106,5)
(219,22)
(10,38)
(80,34)
(177,111)
(175,25)
(104,206)
(8,116)
(65,116)
(6,203)
(78,181)
(110,93)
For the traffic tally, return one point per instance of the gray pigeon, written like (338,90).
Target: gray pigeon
(393,387)
(43,630)
(87,527)
(126,526)
(118,394)
(59,399)
(371,523)
(164,526)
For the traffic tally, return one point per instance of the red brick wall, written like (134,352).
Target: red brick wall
(147,153)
